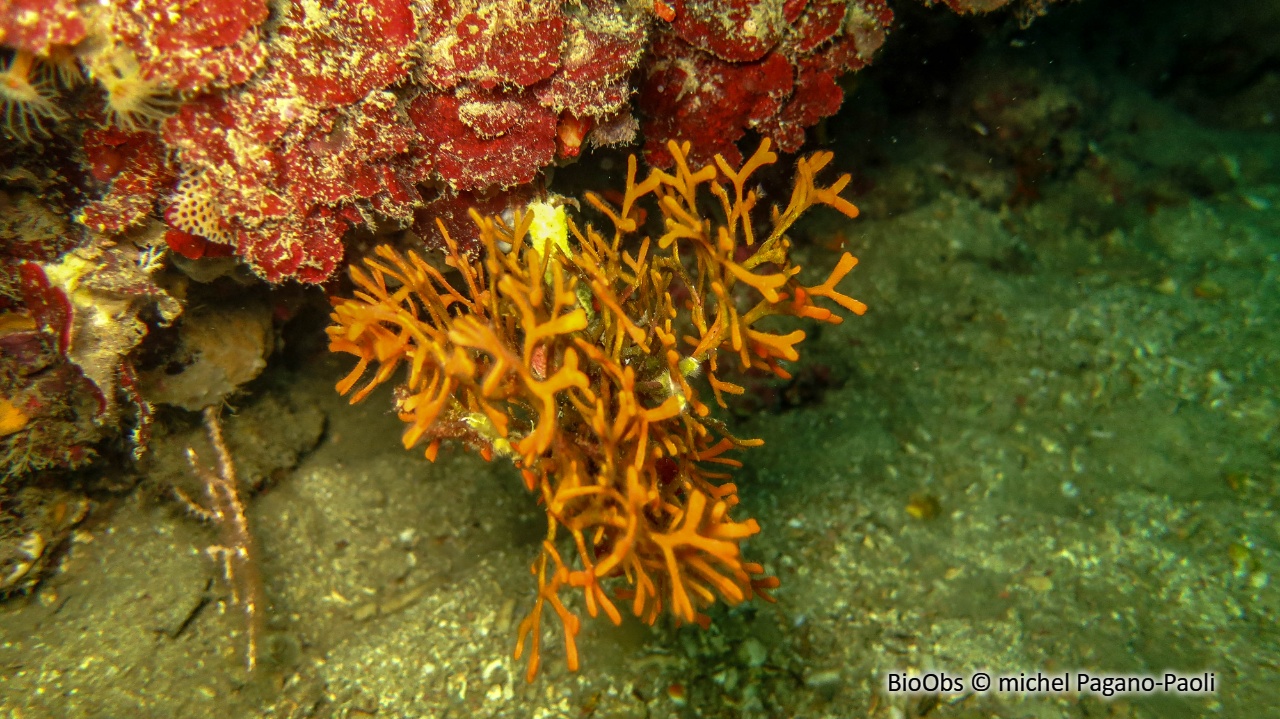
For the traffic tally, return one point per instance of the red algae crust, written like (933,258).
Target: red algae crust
(270,130)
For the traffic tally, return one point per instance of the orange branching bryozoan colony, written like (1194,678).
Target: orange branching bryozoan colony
(568,352)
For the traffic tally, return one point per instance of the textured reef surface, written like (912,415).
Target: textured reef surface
(271,129)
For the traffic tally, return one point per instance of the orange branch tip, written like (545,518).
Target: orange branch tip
(556,349)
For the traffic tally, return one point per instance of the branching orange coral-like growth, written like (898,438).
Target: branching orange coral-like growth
(569,352)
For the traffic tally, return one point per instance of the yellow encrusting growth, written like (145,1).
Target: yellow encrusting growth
(12,419)
(570,351)
(193,210)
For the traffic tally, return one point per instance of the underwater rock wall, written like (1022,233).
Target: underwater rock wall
(273,129)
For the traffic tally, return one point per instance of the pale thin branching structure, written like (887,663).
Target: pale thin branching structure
(235,553)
